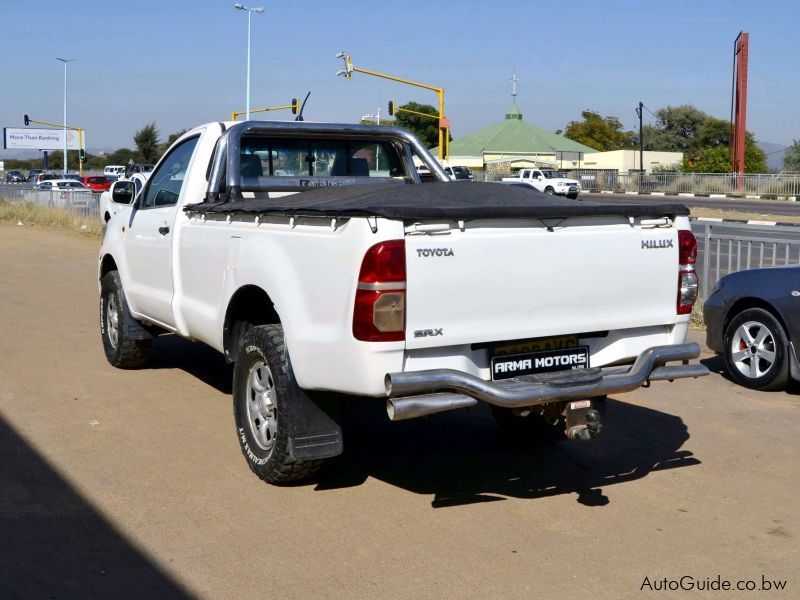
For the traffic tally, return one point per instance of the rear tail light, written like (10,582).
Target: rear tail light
(379,314)
(687,247)
(688,285)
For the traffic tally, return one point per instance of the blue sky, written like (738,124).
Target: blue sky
(181,63)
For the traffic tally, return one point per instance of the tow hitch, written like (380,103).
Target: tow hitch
(582,421)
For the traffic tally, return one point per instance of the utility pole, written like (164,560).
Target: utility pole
(641,143)
(65,61)
(249,11)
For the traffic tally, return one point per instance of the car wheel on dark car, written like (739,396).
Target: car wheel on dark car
(756,350)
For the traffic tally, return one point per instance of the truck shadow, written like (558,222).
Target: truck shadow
(463,458)
(55,544)
(197,359)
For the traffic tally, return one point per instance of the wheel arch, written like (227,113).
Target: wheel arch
(107,265)
(249,305)
(743,304)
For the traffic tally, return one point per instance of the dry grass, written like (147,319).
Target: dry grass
(696,320)
(746,216)
(54,218)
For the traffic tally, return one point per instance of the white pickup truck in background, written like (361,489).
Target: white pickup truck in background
(432,297)
(548,181)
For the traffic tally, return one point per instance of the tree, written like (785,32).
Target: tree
(146,140)
(425,128)
(599,132)
(122,156)
(708,160)
(675,130)
(791,158)
(755,159)
(704,140)
(387,122)
(170,140)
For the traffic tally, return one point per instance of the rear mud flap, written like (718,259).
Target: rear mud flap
(316,432)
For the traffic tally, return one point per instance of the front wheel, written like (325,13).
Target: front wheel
(550,191)
(756,350)
(264,390)
(121,350)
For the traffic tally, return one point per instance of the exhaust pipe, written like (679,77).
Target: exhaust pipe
(411,407)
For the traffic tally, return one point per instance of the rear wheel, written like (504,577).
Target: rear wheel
(756,350)
(264,390)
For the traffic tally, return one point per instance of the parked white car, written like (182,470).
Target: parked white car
(61,184)
(428,298)
(548,181)
(118,170)
(121,193)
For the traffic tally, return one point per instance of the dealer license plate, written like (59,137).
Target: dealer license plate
(547,361)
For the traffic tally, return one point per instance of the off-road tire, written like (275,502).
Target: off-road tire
(125,352)
(550,191)
(776,377)
(265,343)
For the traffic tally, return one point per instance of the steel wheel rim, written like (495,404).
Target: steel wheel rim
(112,321)
(262,409)
(753,349)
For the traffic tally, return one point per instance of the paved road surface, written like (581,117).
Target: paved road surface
(770,207)
(130,484)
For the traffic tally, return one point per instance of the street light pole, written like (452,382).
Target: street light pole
(65,61)
(249,12)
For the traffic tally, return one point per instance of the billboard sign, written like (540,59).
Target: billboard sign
(29,138)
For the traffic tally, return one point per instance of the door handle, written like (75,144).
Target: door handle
(163,230)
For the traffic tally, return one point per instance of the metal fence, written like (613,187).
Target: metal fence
(697,183)
(79,202)
(676,183)
(724,248)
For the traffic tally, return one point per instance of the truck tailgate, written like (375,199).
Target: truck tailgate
(516,279)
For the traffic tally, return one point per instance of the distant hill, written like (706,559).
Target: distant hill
(774,154)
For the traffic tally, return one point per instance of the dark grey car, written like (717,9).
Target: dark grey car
(753,320)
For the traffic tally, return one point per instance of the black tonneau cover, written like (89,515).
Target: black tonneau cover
(439,200)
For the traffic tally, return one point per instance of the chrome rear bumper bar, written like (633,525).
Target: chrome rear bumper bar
(418,393)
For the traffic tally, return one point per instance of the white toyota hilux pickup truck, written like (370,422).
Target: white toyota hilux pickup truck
(548,181)
(434,297)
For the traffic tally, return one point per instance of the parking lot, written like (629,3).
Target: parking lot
(131,483)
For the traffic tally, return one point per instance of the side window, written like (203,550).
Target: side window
(166,181)
(525,174)
(537,174)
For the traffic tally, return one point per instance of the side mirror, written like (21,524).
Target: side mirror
(122,192)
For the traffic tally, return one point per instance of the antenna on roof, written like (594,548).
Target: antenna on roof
(514,81)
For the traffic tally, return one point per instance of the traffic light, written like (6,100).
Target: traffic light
(295,105)
(391,107)
(82,155)
(27,121)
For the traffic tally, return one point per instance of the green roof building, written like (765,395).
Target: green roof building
(513,144)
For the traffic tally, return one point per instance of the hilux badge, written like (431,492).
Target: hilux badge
(654,244)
